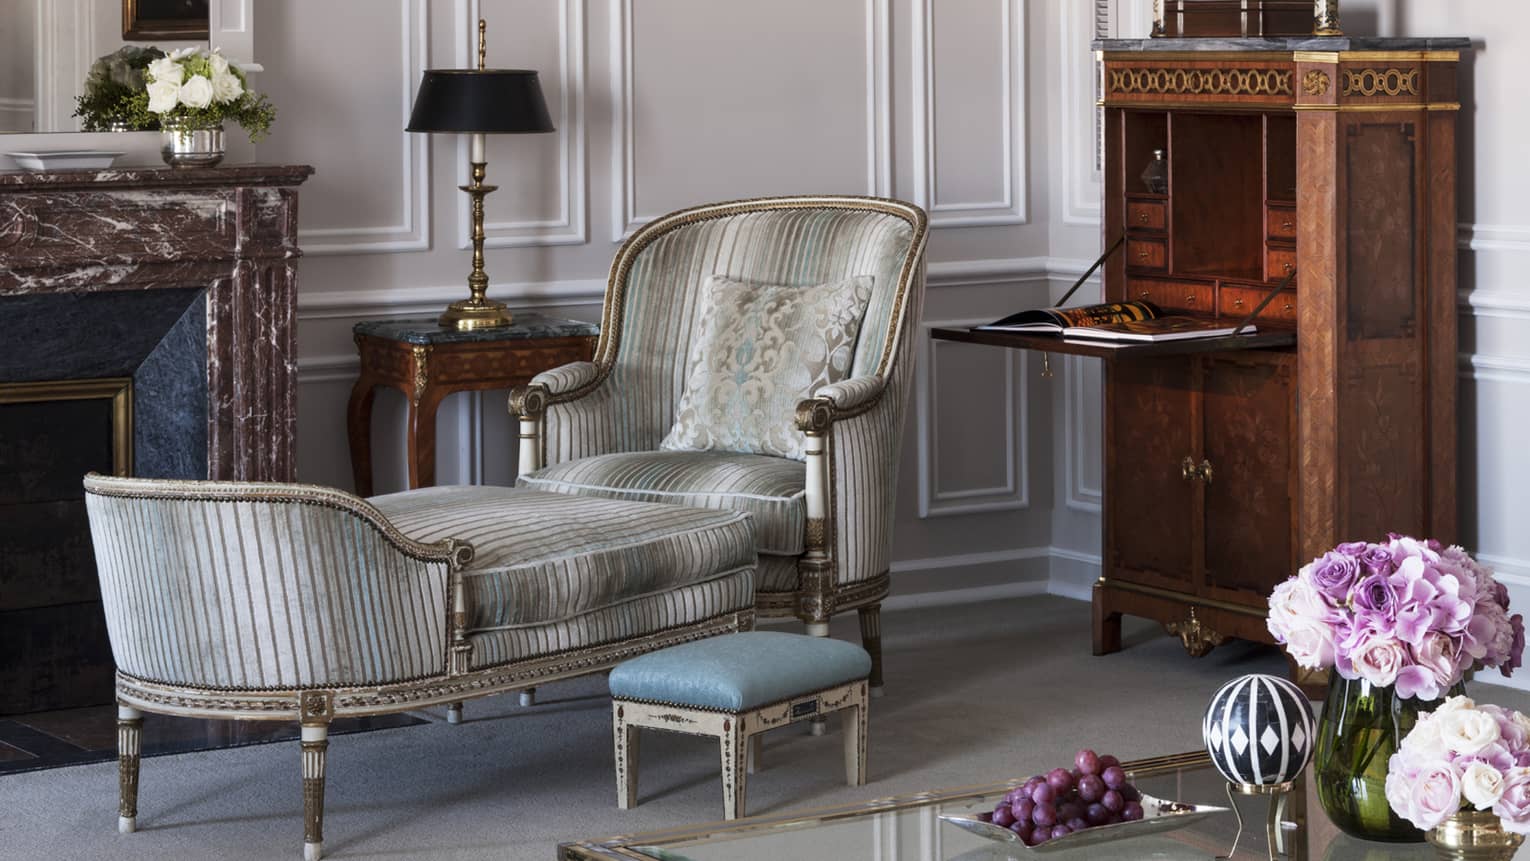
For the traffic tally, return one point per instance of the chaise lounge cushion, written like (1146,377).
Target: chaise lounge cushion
(544,558)
(769,488)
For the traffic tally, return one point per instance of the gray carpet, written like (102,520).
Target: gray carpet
(974,694)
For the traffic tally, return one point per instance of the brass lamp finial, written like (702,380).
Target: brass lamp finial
(483,44)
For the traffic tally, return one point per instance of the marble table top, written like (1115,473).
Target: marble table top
(525,325)
(1284,44)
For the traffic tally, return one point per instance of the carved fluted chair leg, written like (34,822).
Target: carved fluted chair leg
(315,749)
(129,750)
(529,697)
(871,639)
(454,713)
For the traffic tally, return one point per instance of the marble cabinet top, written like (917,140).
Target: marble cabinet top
(524,325)
(1285,44)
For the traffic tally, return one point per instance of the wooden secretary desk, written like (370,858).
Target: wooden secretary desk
(1327,165)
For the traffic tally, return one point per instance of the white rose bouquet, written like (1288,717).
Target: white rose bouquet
(1463,756)
(197,88)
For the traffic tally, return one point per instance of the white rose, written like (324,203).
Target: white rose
(1468,732)
(163,96)
(1423,741)
(218,63)
(183,53)
(1455,704)
(166,70)
(1310,644)
(226,88)
(1481,784)
(197,92)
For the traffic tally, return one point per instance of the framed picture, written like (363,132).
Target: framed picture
(164,19)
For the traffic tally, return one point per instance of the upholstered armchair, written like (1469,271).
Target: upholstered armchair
(823,523)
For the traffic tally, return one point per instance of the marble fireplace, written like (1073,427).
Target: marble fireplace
(148,320)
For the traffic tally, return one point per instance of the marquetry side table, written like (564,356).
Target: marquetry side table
(426,363)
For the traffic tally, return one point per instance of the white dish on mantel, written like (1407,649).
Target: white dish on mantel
(70,159)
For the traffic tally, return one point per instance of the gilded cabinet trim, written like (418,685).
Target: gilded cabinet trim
(1380,82)
(1200,82)
(1315,83)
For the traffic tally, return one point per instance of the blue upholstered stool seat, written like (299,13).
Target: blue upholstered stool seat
(738,672)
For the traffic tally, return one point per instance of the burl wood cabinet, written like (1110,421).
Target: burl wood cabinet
(1225,471)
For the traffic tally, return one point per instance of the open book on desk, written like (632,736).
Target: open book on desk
(1114,321)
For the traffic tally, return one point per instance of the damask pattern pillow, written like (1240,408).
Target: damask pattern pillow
(759,350)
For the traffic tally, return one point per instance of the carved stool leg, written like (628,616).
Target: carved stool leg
(626,758)
(818,725)
(129,749)
(454,713)
(734,777)
(315,746)
(871,639)
(854,726)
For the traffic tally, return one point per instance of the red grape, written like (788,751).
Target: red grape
(1096,814)
(985,817)
(1107,761)
(1060,780)
(1130,793)
(1022,810)
(1039,836)
(1022,830)
(1113,801)
(1063,801)
(1044,814)
(1087,761)
(1043,792)
(1059,831)
(1132,812)
(1090,788)
(1070,810)
(1077,823)
(1002,817)
(1114,777)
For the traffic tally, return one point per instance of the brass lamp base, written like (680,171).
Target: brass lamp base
(475,313)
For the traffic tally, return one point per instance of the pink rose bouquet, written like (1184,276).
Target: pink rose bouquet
(1408,613)
(1463,756)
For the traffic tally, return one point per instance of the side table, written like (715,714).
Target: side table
(426,363)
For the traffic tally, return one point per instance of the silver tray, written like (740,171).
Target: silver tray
(1158,816)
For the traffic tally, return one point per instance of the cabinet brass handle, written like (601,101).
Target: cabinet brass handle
(1190,300)
(1289,267)
(1143,254)
(1288,225)
(1144,295)
(1205,471)
(1238,303)
(1187,469)
(1142,217)
(1286,307)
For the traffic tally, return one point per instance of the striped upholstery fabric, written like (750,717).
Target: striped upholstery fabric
(548,558)
(661,305)
(648,614)
(776,573)
(251,593)
(768,488)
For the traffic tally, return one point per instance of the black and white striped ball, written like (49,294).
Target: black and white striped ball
(1259,730)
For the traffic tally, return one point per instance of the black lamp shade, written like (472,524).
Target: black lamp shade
(494,101)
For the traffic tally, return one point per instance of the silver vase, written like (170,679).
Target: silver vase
(184,147)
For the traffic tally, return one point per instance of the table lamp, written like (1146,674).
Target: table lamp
(478,102)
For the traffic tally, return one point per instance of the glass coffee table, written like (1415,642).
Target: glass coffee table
(908,828)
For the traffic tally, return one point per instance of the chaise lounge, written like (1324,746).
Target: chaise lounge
(257,601)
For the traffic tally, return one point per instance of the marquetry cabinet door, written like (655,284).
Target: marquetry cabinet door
(1150,505)
(1246,475)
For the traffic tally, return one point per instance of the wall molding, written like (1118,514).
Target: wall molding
(1500,304)
(1080,178)
(1480,367)
(412,230)
(1012,206)
(1079,496)
(571,225)
(1011,495)
(1493,237)
(625,219)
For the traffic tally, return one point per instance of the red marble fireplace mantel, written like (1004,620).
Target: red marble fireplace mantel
(228,230)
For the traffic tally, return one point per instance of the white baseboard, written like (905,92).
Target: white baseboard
(1073,573)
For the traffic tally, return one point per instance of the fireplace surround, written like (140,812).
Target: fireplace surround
(177,286)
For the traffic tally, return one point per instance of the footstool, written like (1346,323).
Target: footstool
(735,687)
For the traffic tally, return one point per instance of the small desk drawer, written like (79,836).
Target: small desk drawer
(1237,302)
(1278,263)
(1147,254)
(1146,215)
(1174,296)
(1280,222)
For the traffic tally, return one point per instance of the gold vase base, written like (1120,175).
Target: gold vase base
(470,314)
(1474,835)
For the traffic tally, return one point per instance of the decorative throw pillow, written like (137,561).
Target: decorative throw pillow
(759,350)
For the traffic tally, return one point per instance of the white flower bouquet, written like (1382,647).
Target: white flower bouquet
(1463,756)
(194,88)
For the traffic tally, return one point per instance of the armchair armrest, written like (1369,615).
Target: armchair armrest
(566,379)
(553,403)
(853,394)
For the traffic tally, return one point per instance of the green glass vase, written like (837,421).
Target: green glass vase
(1361,727)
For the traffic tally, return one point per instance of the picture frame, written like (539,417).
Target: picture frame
(181,20)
